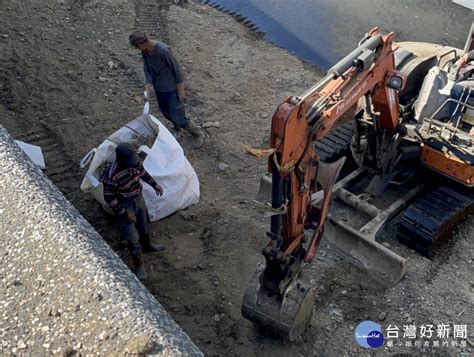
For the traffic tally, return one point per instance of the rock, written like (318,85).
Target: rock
(46,345)
(217,317)
(205,233)
(103,336)
(5,35)
(216,283)
(202,266)
(53,312)
(112,64)
(21,345)
(222,166)
(409,320)
(215,124)
(382,315)
(185,215)
(45,328)
(344,292)
(102,79)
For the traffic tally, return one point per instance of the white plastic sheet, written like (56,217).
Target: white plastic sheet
(165,162)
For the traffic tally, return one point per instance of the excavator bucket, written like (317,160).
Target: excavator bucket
(286,315)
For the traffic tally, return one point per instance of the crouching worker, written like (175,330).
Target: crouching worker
(123,193)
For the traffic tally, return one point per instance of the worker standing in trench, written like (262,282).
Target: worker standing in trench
(164,74)
(123,193)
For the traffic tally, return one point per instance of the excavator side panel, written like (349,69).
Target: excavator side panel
(448,165)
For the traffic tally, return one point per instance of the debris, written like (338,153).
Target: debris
(21,345)
(214,124)
(34,153)
(78,346)
(103,336)
(382,315)
(202,266)
(222,166)
(258,152)
(138,99)
(186,216)
(205,233)
(462,311)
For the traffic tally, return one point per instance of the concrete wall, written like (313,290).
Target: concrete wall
(62,289)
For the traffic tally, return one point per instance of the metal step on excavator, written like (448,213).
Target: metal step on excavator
(413,159)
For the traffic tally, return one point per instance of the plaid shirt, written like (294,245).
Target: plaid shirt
(123,184)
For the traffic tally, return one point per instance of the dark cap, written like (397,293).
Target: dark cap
(126,155)
(137,37)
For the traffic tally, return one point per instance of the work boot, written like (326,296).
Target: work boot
(140,267)
(177,133)
(198,136)
(148,246)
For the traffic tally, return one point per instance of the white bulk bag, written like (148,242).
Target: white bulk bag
(165,162)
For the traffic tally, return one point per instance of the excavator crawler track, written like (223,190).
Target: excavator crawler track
(430,221)
(336,144)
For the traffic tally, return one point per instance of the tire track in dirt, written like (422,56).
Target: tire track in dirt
(60,167)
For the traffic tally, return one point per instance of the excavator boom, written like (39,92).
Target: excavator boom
(276,297)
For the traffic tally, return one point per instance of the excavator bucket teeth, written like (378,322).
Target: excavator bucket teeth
(286,315)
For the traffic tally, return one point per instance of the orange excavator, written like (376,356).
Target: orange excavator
(395,135)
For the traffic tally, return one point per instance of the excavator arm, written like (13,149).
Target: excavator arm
(275,297)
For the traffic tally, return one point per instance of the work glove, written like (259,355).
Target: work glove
(159,190)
